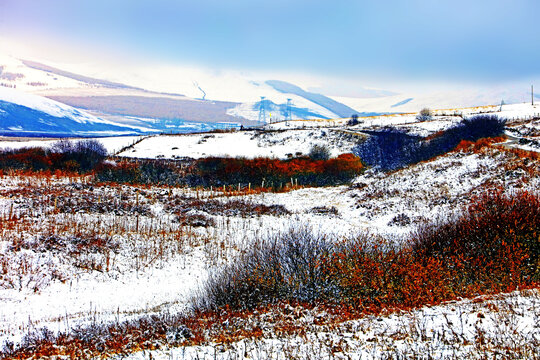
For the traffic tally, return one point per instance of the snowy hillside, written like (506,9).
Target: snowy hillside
(26,114)
(15,74)
(465,97)
(292,138)
(157,270)
(209,96)
(80,256)
(180,93)
(218,96)
(250,144)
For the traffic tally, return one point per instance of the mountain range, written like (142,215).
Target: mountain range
(44,100)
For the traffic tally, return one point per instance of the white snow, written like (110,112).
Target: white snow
(89,298)
(51,107)
(247,144)
(421,192)
(478,328)
(33,79)
(298,136)
(112,144)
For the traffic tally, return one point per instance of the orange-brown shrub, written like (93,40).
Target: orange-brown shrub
(82,156)
(492,246)
(477,146)
(496,234)
(524,154)
(219,171)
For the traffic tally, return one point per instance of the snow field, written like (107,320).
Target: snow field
(152,263)
(505,324)
(249,144)
(292,137)
(73,254)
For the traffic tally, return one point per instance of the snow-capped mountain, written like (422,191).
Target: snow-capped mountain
(169,93)
(166,98)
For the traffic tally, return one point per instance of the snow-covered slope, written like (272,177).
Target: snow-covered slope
(27,114)
(15,74)
(286,138)
(464,97)
(250,144)
(240,94)
(210,96)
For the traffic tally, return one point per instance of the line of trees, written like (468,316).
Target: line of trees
(391,149)
(80,156)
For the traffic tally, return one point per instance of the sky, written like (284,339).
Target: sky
(411,40)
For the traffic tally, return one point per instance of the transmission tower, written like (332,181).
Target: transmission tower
(262,110)
(288,112)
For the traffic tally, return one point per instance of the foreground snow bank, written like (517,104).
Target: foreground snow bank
(490,326)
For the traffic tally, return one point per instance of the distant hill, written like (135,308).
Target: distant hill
(212,97)
(337,108)
(30,115)
(67,74)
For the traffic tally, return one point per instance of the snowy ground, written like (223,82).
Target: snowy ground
(296,137)
(73,253)
(250,144)
(484,327)
(157,267)
(293,138)
(112,144)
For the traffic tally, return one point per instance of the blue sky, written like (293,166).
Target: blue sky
(482,41)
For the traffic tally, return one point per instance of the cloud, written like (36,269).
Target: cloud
(484,40)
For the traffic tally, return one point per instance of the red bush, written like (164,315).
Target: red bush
(218,171)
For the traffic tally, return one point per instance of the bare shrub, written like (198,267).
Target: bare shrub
(319,152)
(286,266)
(240,208)
(491,247)
(87,154)
(195,220)
(496,237)
(325,210)
(353,120)
(424,115)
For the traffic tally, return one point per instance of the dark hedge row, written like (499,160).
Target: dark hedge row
(391,149)
(217,171)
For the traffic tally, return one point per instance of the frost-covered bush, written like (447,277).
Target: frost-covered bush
(288,266)
(424,115)
(491,246)
(319,152)
(156,172)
